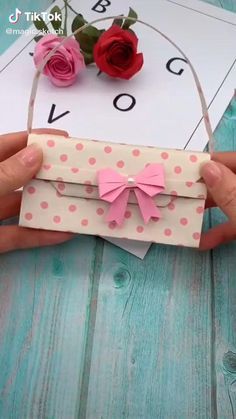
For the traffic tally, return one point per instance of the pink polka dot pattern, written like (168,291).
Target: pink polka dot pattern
(171,206)
(92,161)
(44,205)
(74,169)
(56,219)
(180,220)
(136,152)
(193,158)
(200,210)
(140,229)
(189,184)
(196,236)
(89,189)
(128,214)
(79,147)
(47,166)
(100,211)
(61,186)
(164,155)
(51,143)
(120,164)
(31,190)
(63,157)
(108,149)
(72,208)
(178,170)
(112,225)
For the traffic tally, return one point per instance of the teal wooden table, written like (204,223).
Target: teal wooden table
(89,331)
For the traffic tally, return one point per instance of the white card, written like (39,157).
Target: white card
(166,111)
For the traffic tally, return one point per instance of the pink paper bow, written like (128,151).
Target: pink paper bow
(115,189)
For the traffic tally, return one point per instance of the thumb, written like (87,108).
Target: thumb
(20,168)
(221,183)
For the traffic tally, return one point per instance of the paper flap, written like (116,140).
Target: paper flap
(76,161)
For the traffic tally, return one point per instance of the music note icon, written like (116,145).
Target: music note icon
(14,17)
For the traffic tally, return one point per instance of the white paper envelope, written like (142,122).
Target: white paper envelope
(66,196)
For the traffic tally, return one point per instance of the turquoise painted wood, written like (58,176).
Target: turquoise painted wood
(8,7)
(89,331)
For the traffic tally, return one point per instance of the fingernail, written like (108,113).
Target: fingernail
(30,156)
(211,173)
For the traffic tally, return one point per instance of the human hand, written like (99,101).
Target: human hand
(220,178)
(18,164)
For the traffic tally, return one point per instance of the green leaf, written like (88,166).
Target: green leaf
(38,37)
(88,38)
(77,23)
(92,32)
(88,58)
(118,22)
(86,42)
(40,25)
(56,11)
(127,22)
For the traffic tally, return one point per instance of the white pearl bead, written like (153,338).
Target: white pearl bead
(131,180)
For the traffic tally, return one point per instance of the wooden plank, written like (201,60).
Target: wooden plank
(152,341)
(44,317)
(44,306)
(44,313)
(225,295)
(225,4)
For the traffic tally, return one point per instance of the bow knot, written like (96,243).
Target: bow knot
(115,188)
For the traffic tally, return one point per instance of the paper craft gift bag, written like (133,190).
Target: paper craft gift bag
(65,195)
(116,190)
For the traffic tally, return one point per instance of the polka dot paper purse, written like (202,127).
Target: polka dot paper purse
(117,190)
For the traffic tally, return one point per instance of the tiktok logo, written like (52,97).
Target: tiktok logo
(14,17)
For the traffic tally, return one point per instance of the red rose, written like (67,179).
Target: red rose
(115,53)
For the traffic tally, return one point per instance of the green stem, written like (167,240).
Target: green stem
(66,16)
(70,7)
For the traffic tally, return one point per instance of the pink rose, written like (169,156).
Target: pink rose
(66,63)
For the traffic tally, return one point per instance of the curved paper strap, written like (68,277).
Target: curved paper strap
(40,68)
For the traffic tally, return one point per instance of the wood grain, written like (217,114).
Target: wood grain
(224,293)
(152,340)
(44,313)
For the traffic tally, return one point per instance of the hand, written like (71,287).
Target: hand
(220,178)
(18,164)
